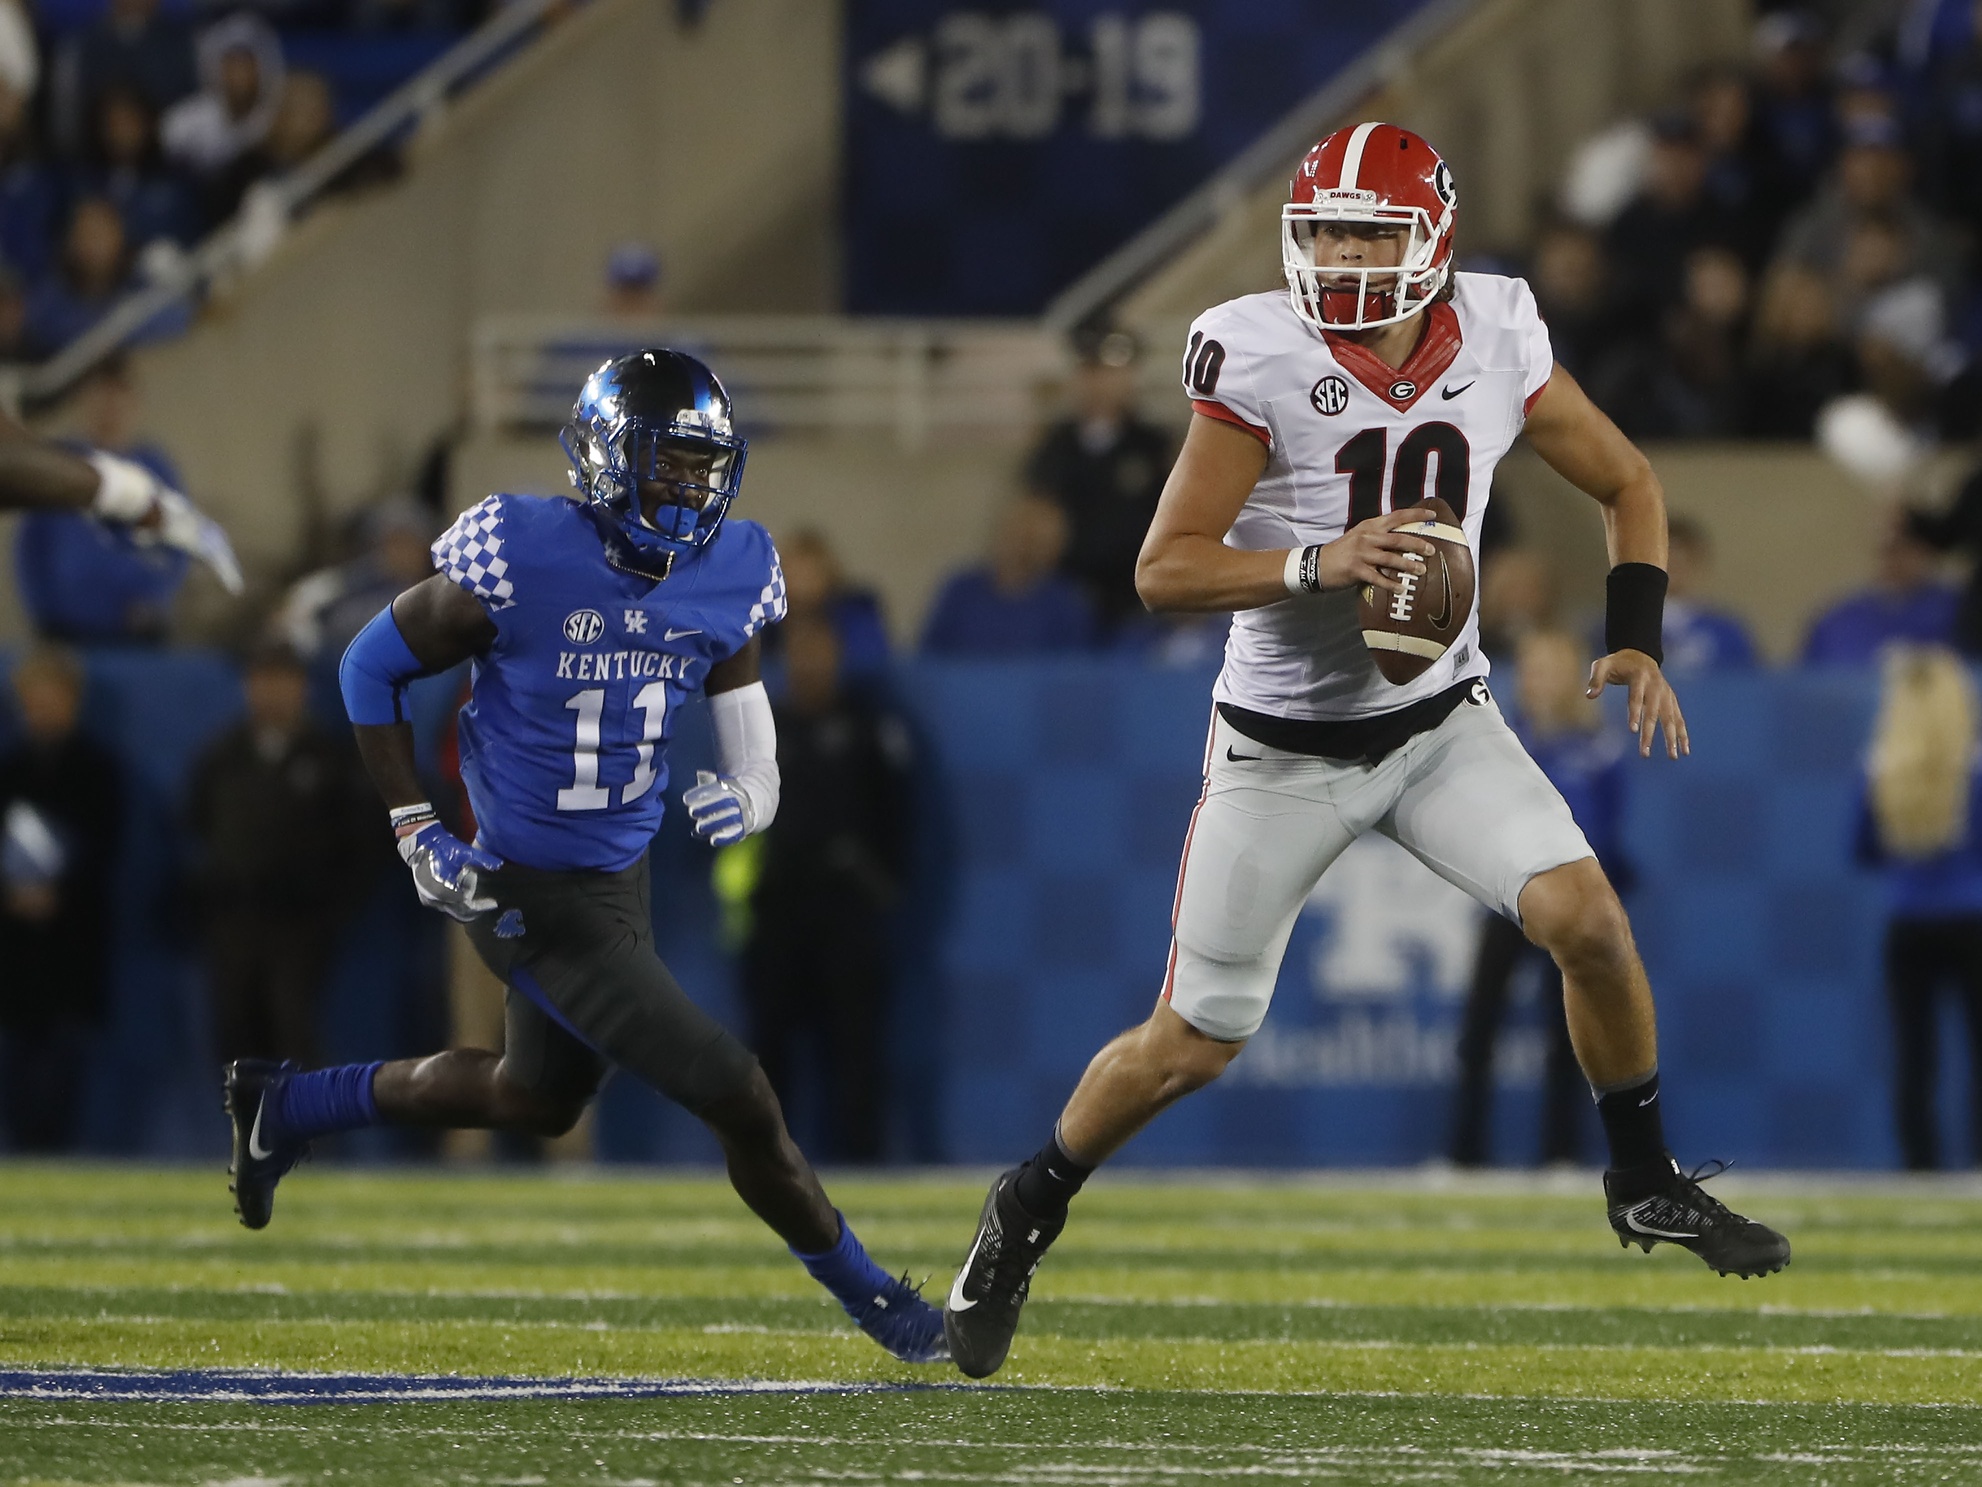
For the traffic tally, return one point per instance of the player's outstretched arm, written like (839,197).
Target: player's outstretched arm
(740,797)
(36,475)
(431,627)
(1186,566)
(1591,453)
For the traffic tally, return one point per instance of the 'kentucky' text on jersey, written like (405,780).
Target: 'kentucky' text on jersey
(563,739)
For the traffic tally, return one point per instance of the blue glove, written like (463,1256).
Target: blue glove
(717,808)
(446,871)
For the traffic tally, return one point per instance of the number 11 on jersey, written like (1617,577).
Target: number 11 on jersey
(585,793)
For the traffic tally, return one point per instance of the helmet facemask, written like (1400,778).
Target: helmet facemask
(698,472)
(1345,297)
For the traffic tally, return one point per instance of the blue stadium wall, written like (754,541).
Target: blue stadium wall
(1055,801)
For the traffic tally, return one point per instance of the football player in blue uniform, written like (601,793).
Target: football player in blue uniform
(589,622)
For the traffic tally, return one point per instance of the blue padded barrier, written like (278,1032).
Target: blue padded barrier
(1055,801)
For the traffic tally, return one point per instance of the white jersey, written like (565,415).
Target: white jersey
(1350,438)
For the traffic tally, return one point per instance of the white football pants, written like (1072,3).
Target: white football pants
(1463,798)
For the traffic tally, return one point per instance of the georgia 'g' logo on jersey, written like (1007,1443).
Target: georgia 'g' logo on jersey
(1330,395)
(1403,389)
(583,626)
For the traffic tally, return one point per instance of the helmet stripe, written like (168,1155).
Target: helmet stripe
(1352,157)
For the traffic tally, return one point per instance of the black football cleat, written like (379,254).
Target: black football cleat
(983,1308)
(1662,1205)
(258,1162)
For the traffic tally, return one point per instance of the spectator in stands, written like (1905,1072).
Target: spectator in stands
(241,77)
(816,965)
(126,169)
(1798,361)
(1951,132)
(60,817)
(1649,244)
(1907,602)
(29,193)
(137,42)
(1922,826)
(1105,466)
(1722,110)
(1795,129)
(1517,594)
(324,611)
(1586,760)
(94,274)
(816,584)
(1569,277)
(633,282)
(273,802)
(1690,379)
(305,121)
(1016,602)
(81,580)
(20,54)
(1697,636)
(1871,187)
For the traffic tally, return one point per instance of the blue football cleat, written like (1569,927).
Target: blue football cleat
(903,1323)
(258,1162)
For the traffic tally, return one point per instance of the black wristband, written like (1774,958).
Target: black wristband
(1634,610)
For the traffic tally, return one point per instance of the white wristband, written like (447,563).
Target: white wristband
(1302,575)
(126,491)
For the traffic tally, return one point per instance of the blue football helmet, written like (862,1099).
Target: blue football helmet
(658,417)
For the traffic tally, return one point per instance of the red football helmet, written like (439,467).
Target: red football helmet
(1374,175)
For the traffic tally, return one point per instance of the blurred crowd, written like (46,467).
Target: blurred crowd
(1791,249)
(129,129)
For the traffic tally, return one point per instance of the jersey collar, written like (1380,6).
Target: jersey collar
(1400,387)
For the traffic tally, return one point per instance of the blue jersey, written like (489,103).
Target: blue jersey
(564,736)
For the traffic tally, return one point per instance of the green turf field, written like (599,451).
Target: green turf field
(1346,1331)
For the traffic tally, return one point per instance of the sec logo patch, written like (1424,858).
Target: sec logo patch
(1330,395)
(583,626)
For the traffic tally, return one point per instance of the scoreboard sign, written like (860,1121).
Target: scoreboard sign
(996,152)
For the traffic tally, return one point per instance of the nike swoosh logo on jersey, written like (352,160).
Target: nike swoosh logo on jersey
(957,1300)
(677,634)
(1241,758)
(1449,393)
(1631,1222)
(255,1148)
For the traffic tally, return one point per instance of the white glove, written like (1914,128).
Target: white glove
(447,871)
(718,809)
(131,496)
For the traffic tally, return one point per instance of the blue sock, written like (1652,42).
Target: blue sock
(324,1101)
(846,1271)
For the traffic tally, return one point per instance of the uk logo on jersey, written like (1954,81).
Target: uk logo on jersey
(1330,395)
(583,626)
(636,622)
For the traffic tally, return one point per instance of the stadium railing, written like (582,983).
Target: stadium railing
(253,233)
(914,379)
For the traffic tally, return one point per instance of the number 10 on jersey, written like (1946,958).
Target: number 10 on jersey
(585,793)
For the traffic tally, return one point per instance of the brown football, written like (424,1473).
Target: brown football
(1409,629)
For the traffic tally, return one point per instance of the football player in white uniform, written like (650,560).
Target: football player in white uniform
(1322,417)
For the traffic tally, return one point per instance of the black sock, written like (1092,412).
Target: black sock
(1632,1124)
(1048,1182)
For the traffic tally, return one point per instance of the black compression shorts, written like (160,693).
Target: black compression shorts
(587,990)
